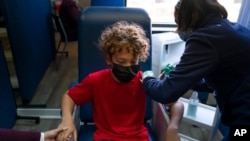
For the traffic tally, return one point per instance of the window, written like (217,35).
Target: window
(162,11)
(244,16)
(233,8)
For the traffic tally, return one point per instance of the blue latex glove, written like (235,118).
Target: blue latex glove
(165,71)
(168,68)
(147,74)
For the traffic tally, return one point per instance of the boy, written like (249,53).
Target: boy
(117,95)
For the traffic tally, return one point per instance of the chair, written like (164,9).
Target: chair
(93,21)
(58,25)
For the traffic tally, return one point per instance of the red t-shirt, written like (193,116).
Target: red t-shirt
(118,108)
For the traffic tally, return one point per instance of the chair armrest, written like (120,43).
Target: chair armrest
(76,120)
(76,117)
(76,111)
(160,121)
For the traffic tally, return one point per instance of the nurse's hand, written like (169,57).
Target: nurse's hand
(148,73)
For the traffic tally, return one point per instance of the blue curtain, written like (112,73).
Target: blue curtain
(244,16)
(31,36)
(7,100)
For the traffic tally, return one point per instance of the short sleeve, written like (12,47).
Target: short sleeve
(82,92)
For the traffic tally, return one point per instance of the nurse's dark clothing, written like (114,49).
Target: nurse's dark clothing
(219,52)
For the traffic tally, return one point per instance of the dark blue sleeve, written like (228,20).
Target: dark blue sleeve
(202,86)
(198,59)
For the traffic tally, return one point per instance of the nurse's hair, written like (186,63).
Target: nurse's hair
(190,14)
(123,34)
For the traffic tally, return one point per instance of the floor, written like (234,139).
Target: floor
(56,81)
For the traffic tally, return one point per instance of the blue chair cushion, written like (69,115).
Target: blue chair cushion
(151,134)
(86,132)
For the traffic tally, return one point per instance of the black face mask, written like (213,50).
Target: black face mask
(184,35)
(125,74)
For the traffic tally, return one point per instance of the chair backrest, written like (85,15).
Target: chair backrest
(59,27)
(108,2)
(93,20)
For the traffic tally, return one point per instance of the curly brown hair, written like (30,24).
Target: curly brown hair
(123,34)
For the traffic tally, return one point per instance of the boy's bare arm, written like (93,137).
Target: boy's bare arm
(67,106)
(176,113)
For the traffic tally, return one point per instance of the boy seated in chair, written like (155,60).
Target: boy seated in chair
(116,93)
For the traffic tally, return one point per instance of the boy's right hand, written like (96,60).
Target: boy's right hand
(51,135)
(67,134)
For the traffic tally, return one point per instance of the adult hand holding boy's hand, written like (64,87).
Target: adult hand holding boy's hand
(71,131)
(50,135)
